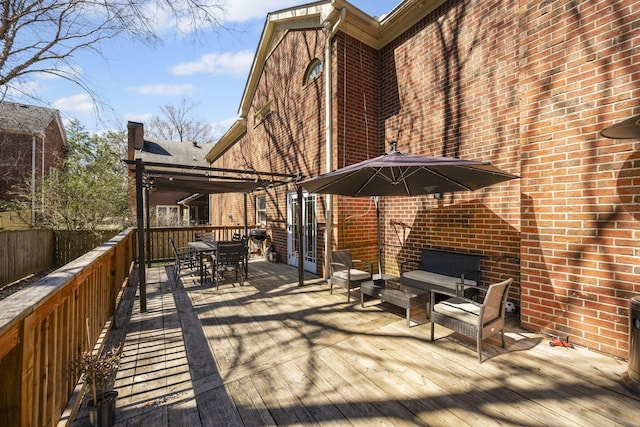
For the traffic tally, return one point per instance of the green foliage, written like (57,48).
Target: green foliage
(88,189)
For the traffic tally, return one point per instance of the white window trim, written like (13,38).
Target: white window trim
(263,211)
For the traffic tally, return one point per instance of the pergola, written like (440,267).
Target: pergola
(168,177)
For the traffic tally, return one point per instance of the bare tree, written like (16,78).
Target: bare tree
(179,123)
(42,36)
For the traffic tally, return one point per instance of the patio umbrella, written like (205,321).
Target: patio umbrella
(398,174)
(627,129)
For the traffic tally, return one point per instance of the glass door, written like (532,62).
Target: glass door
(308,246)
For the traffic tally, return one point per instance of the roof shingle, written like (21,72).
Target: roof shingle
(24,118)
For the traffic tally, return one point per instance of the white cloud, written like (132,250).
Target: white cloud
(164,89)
(23,89)
(246,10)
(228,63)
(225,124)
(141,118)
(163,20)
(80,103)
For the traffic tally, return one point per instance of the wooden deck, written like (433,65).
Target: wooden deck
(274,353)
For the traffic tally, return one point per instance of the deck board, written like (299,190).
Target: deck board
(274,353)
(251,407)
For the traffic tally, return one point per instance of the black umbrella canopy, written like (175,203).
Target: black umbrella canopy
(398,174)
(627,129)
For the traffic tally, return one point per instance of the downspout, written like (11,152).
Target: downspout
(328,83)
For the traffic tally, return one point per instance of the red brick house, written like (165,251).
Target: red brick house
(525,85)
(32,140)
(169,209)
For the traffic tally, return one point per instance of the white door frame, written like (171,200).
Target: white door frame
(309,227)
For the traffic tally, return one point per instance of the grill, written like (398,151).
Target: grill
(258,236)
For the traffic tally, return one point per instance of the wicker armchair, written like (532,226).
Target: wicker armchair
(343,273)
(470,318)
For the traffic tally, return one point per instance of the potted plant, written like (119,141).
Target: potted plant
(98,371)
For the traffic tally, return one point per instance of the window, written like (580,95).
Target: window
(263,113)
(167,216)
(313,70)
(261,210)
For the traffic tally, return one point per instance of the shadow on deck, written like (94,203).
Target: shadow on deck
(273,353)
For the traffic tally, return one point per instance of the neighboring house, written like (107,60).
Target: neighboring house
(172,209)
(32,141)
(525,85)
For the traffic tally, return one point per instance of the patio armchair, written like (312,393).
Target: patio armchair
(229,256)
(182,257)
(343,273)
(470,318)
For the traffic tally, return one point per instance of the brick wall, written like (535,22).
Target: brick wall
(356,139)
(53,147)
(16,152)
(528,87)
(15,163)
(449,88)
(289,140)
(579,68)
(525,85)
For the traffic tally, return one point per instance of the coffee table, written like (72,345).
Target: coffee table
(375,286)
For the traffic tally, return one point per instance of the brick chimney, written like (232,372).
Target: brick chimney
(135,138)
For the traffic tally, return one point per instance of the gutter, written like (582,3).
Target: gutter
(237,129)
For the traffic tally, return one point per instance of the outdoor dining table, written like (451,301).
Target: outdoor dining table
(202,248)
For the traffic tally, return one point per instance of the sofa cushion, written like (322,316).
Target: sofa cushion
(355,274)
(437,279)
(458,309)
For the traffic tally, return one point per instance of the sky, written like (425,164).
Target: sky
(133,81)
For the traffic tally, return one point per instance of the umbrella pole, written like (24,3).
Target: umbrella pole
(377,200)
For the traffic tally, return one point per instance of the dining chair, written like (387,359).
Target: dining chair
(182,256)
(229,256)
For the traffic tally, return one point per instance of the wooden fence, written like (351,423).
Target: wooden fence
(25,252)
(69,245)
(42,329)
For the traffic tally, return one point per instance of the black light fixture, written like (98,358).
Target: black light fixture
(627,129)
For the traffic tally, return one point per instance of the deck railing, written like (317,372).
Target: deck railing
(43,328)
(159,238)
